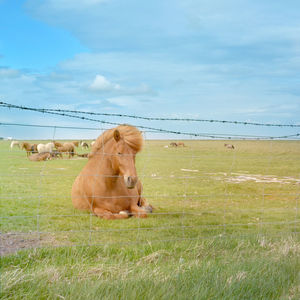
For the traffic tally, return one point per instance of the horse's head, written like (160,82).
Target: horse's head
(23,146)
(123,160)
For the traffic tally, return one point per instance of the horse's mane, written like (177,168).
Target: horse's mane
(25,145)
(131,135)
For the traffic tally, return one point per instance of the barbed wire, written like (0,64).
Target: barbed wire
(206,135)
(47,110)
(155,130)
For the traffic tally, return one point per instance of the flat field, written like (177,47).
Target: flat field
(225,226)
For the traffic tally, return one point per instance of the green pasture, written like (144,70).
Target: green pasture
(225,226)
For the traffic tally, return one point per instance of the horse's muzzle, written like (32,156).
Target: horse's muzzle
(130,181)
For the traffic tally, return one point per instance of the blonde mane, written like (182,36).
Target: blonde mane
(131,135)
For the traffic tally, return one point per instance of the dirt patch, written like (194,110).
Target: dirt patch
(12,242)
(189,170)
(241,177)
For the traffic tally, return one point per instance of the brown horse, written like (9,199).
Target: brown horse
(67,148)
(108,184)
(29,148)
(34,148)
(82,155)
(173,144)
(57,144)
(56,154)
(229,146)
(40,156)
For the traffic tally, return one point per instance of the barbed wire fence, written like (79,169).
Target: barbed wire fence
(174,184)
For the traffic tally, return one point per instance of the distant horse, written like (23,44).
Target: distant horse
(45,147)
(75,143)
(173,144)
(84,145)
(14,143)
(181,144)
(40,156)
(57,144)
(56,154)
(67,148)
(229,146)
(34,148)
(108,184)
(83,155)
(28,147)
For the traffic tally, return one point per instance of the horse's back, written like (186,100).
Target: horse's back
(39,156)
(69,146)
(14,143)
(79,197)
(41,148)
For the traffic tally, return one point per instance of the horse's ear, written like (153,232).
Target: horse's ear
(117,135)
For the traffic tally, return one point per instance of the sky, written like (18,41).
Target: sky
(224,60)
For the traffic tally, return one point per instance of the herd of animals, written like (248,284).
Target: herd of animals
(52,150)
(181,144)
(39,152)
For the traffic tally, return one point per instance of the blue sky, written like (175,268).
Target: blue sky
(231,60)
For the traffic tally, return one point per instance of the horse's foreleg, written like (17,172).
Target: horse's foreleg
(108,215)
(142,202)
(138,212)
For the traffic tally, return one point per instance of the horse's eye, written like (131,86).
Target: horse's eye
(119,153)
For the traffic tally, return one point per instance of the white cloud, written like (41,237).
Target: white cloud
(100,83)
(8,73)
(123,101)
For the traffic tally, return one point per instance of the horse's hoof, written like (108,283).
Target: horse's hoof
(124,212)
(148,208)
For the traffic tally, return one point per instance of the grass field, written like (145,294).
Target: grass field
(225,226)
